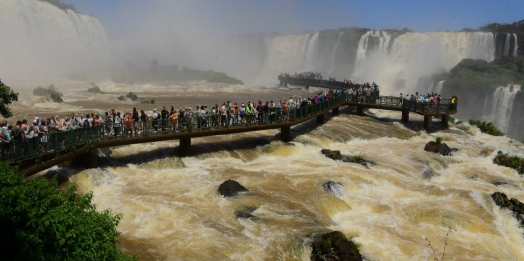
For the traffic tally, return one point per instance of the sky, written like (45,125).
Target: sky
(293,16)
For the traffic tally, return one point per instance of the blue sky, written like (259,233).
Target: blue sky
(241,16)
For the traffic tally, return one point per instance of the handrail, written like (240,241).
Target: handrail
(60,141)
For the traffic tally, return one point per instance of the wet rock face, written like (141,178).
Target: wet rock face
(334,246)
(512,204)
(246,213)
(336,155)
(441,148)
(334,188)
(230,188)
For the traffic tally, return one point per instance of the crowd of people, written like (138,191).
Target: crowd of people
(42,131)
(137,122)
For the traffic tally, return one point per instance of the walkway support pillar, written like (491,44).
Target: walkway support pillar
(320,119)
(285,133)
(185,147)
(360,110)
(91,159)
(307,87)
(445,121)
(405,116)
(335,111)
(427,123)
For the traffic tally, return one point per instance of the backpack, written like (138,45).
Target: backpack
(147,117)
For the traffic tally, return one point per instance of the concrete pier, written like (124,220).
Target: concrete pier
(185,147)
(285,133)
(427,123)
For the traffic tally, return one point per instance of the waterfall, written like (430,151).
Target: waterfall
(398,63)
(311,53)
(516,48)
(502,106)
(42,39)
(287,53)
(483,46)
(333,55)
(506,44)
(438,88)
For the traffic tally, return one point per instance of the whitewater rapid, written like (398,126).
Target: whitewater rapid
(171,210)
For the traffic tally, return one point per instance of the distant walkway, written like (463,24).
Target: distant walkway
(40,153)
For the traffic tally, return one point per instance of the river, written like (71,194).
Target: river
(171,210)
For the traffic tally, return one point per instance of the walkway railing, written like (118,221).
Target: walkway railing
(59,141)
(443,107)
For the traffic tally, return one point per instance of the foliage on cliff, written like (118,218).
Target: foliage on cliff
(487,127)
(516,27)
(514,162)
(40,222)
(470,73)
(7,96)
(63,6)
(169,73)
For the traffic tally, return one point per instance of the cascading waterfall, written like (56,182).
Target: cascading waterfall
(502,106)
(506,44)
(333,55)
(288,53)
(438,87)
(40,33)
(399,64)
(516,48)
(311,53)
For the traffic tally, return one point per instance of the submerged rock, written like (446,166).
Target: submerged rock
(334,246)
(246,213)
(334,188)
(230,188)
(336,155)
(441,148)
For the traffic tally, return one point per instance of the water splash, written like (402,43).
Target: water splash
(501,111)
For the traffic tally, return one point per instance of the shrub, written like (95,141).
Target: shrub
(487,127)
(514,162)
(439,140)
(40,222)
(95,89)
(121,98)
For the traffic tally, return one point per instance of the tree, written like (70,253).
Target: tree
(7,96)
(40,222)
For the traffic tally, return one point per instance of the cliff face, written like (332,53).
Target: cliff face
(37,35)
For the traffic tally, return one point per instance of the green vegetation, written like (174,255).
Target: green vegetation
(516,27)
(7,96)
(487,127)
(59,4)
(54,97)
(471,73)
(40,222)
(163,74)
(514,162)
(439,140)
(148,101)
(132,96)
(121,98)
(95,89)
